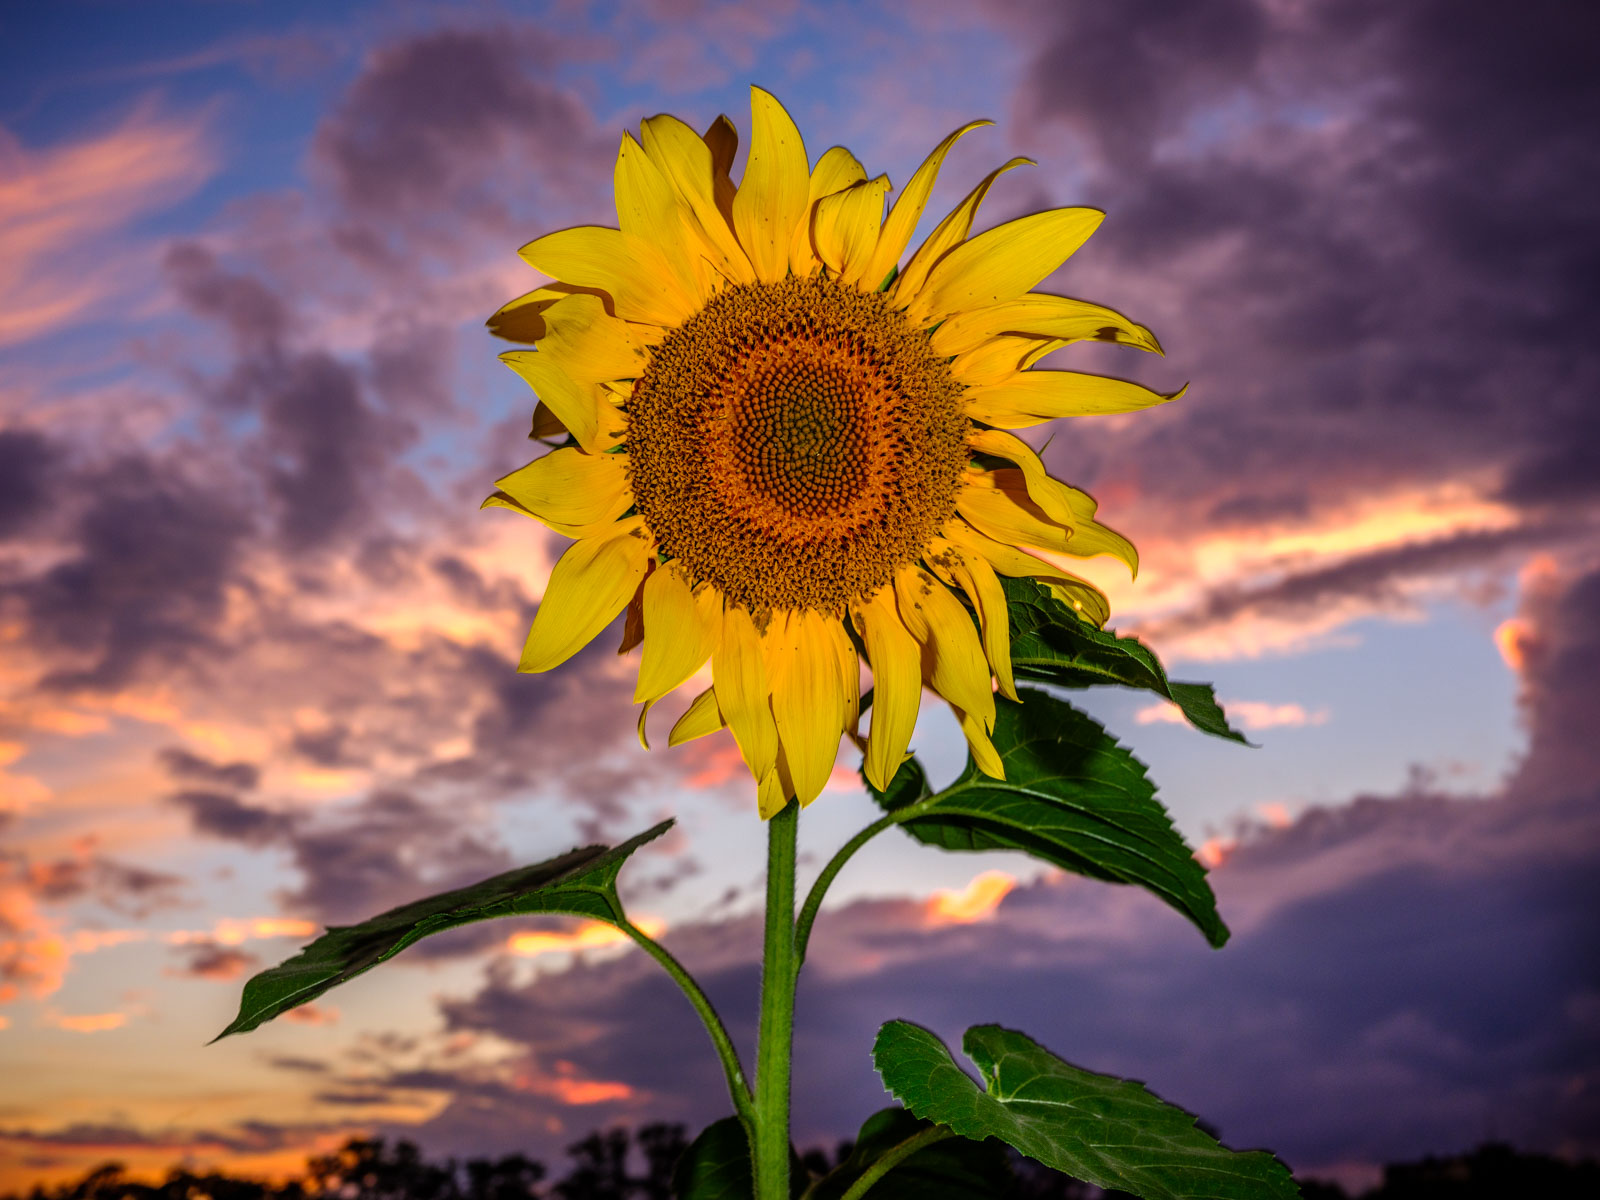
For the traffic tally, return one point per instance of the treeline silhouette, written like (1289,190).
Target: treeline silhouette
(619,1164)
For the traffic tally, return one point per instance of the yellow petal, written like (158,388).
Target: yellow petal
(680,630)
(588,588)
(640,281)
(845,228)
(1039,315)
(1034,477)
(772,796)
(999,359)
(946,236)
(644,711)
(522,320)
(997,503)
(835,171)
(703,717)
(983,751)
(896,662)
(568,487)
(686,160)
(590,344)
(546,425)
(1003,262)
(953,663)
(849,672)
(973,575)
(1035,396)
(907,211)
(807,698)
(739,673)
(1088,601)
(647,209)
(576,405)
(722,139)
(771,199)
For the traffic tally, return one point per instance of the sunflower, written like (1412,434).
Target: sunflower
(782,453)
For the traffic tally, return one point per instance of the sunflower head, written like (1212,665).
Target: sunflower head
(785,453)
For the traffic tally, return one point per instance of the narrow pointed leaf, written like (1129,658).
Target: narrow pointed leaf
(1072,797)
(1107,1131)
(579,883)
(954,1169)
(1051,645)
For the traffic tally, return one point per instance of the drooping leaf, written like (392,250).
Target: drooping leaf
(579,883)
(1107,1131)
(716,1166)
(1049,644)
(953,1169)
(1072,797)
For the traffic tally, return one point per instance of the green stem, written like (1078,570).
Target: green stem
(770,1147)
(813,904)
(891,1160)
(737,1088)
(808,911)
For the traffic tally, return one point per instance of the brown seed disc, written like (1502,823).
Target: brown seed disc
(796,444)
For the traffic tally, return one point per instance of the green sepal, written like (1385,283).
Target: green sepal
(1072,797)
(1107,1131)
(953,1169)
(1051,644)
(580,883)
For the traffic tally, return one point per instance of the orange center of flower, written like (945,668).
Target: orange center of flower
(796,444)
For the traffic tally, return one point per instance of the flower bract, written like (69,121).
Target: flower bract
(785,442)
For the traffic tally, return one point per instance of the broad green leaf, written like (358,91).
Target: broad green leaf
(1107,1131)
(579,883)
(716,1166)
(953,1169)
(1072,797)
(1049,644)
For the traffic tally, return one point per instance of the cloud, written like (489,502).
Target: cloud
(1248,714)
(211,960)
(439,123)
(59,205)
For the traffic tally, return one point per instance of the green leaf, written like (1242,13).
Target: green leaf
(1110,1132)
(954,1169)
(1072,797)
(716,1166)
(580,883)
(1050,644)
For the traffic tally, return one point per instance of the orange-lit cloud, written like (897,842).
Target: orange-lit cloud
(972,903)
(312,1014)
(589,1091)
(58,204)
(1511,638)
(86,1022)
(1249,714)
(590,935)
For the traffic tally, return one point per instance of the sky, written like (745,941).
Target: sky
(257,643)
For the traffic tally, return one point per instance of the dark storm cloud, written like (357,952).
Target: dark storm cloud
(224,815)
(434,121)
(1364,232)
(183,765)
(214,961)
(323,446)
(26,463)
(1561,689)
(144,583)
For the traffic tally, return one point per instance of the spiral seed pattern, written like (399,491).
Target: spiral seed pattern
(796,444)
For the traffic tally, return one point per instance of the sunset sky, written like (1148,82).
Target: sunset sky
(257,643)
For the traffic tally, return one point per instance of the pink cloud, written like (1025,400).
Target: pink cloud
(59,206)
